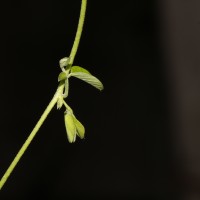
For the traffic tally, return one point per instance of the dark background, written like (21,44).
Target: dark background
(142,132)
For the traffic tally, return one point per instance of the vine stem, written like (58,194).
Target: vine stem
(28,141)
(78,32)
(58,94)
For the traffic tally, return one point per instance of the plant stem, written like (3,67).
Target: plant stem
(66,106)
(78,32)
(28,141)
(59,93)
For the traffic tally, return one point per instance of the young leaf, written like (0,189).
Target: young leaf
(70,127)
(88,78)
(62,76)
(64,62)
(79,69)
(79,128)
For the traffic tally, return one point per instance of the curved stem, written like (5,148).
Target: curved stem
(78,32)
(58,94)
(66,106)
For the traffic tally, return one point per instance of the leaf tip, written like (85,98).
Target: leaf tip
(62,76)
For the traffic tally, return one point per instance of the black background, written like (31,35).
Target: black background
(128,151)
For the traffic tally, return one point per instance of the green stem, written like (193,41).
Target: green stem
(66,106)
(78,32)
(57,95)
(28,141)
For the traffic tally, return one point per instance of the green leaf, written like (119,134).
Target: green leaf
(75,69)
(64,62)
(70,127)
(79,128)
(92,80)
(62,76)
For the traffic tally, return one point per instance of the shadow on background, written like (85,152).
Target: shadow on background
(140,141)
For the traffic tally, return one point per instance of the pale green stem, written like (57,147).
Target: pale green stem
(78,32)
(30,137)
(28,141)
(66,106)
(58,94)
